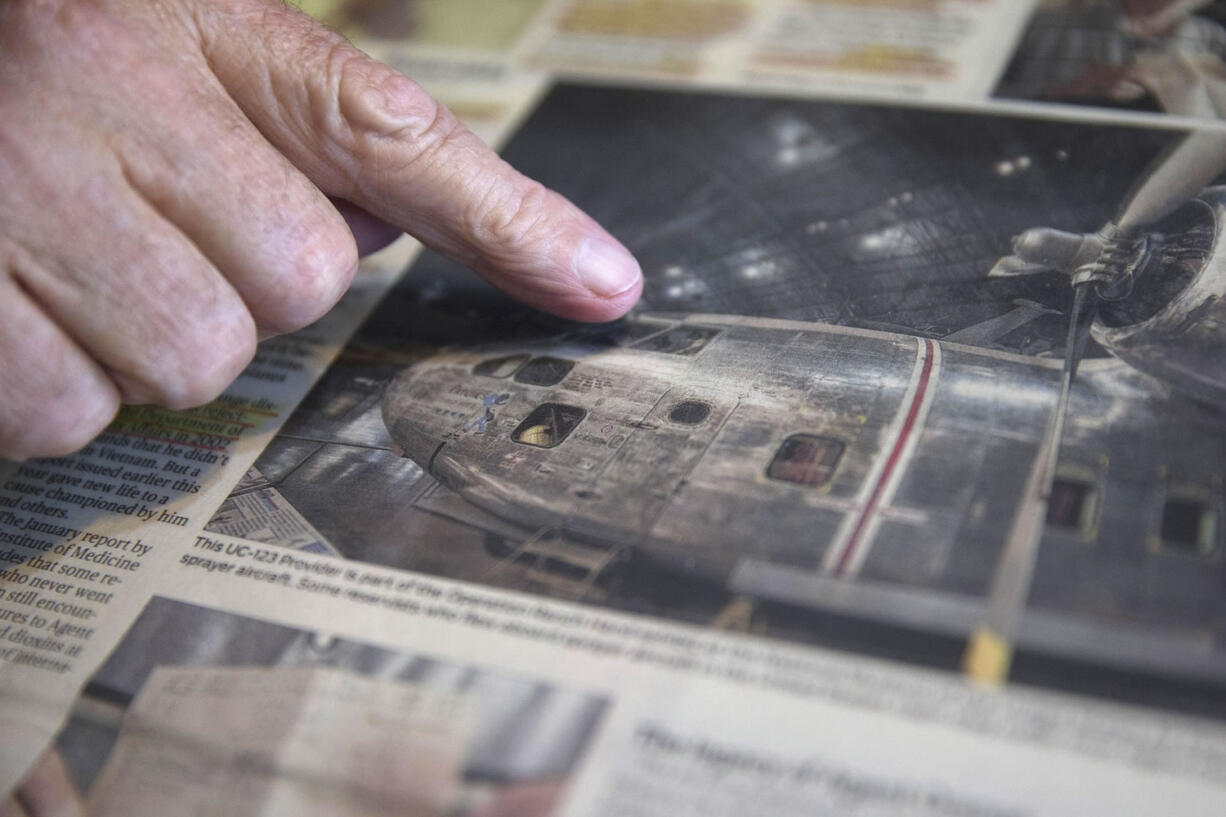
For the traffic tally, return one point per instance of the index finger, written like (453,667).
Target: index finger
(363,132)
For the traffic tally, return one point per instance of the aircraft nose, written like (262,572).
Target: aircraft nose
(408,410)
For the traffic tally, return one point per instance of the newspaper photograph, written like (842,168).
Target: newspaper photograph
(937,386)
(210,712)
(1164,56)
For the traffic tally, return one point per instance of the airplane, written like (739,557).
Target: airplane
(769,455)
(897,478)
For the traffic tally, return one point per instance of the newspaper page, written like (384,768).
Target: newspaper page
(830,525)
(779,528)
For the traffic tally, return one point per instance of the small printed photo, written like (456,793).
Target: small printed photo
(199,711)
(1164,56)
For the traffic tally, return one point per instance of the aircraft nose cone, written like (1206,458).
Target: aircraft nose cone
(407,414)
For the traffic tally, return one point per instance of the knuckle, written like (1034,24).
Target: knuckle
(57,422)
(207,358)
(376,99)
(380,108)
(508,218)
(53,397)
(311,283)
(78,422)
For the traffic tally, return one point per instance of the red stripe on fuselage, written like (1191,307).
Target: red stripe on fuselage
(904,434)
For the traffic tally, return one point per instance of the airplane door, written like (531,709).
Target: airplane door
(650,467)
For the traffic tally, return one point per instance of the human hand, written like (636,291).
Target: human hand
(46,791)
(166,169)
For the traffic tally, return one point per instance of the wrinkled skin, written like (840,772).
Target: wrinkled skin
(173,175)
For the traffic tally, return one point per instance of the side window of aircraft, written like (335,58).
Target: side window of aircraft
(500,366)
(689,412)
(684,340)
(544,371)
(1073,505)
(1188,526)
(806,459)
(548,425)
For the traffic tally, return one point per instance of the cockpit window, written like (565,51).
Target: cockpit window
(548,425)
(500,366)
(544,371)
(684,340)
(689,412)
(806,459)
(1073,505)
(1188,526)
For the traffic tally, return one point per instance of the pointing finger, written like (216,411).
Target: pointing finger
(363,132)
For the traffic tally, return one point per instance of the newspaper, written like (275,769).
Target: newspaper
(828,525)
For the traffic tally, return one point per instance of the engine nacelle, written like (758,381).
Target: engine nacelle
(1173,325)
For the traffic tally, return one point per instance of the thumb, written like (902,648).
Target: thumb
(365,133)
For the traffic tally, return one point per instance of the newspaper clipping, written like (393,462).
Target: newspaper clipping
(900,492)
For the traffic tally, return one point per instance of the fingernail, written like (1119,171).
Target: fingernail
(606,269)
